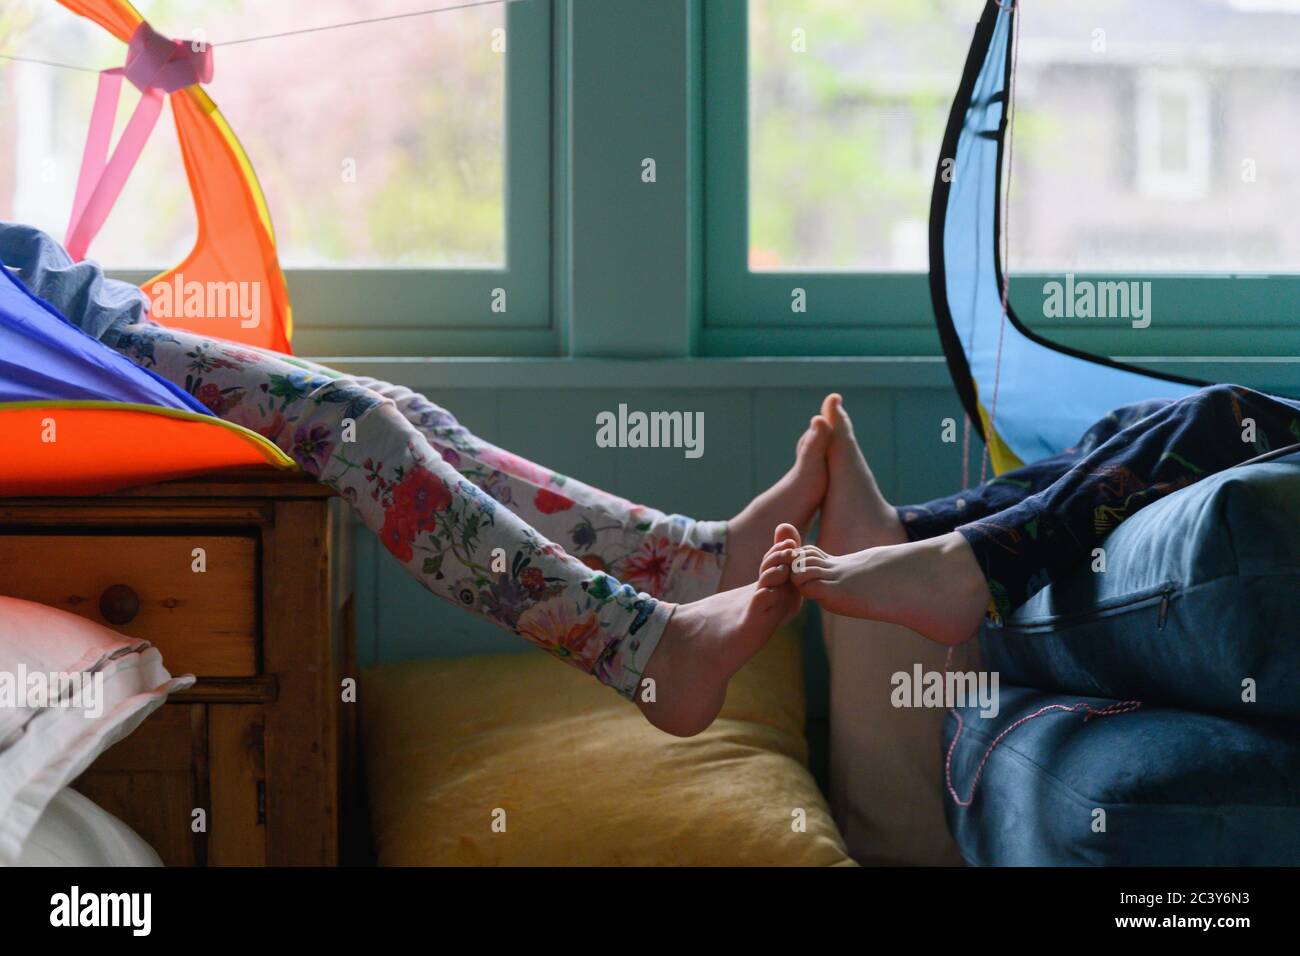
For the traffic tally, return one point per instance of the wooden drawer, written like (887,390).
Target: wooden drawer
(264,744)
(182,758)
(204,623)
(153,780)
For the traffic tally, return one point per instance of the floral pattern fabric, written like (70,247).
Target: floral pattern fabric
(585,575)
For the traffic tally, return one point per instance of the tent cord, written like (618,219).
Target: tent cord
(1014,7)
(354,23)
(60,66)
(287,33)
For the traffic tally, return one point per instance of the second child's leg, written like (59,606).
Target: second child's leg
(856,516)
(938,580)
(944,586)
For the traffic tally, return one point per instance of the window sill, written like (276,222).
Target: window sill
(923,371)
(506,372)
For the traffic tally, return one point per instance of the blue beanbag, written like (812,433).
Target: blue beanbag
(1175,788)
(1199,605)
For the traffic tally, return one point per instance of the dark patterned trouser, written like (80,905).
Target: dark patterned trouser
(1037,523)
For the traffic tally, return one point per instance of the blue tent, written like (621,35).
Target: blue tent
(43,357)
(1029,398)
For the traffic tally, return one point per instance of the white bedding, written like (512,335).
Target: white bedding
(69,690)
(74,831)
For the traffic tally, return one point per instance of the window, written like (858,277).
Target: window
(1151,144)
(847,106)
(408,178)
(823,123)
(1161,148)
(1145,142)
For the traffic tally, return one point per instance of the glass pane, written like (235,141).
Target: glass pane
(1149,136)
(376,145)
(1157,136)
(848,100)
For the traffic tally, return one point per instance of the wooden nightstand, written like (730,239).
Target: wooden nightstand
(263,743)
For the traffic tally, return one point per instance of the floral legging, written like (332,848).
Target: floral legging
(473,523)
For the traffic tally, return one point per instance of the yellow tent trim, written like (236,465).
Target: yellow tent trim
(1003,458)
(273,453)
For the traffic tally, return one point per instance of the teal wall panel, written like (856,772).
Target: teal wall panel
(713,486)
(554,427)
(925,464)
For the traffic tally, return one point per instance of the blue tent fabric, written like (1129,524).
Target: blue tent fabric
(1046,395)
(45,358)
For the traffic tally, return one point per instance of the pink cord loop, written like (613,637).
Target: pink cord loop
(1110,710)
(156,66)
(154,61)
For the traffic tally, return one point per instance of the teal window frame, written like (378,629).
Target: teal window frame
(449,311)
(418,311)
(890,313)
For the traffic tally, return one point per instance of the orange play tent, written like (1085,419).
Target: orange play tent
(77,418)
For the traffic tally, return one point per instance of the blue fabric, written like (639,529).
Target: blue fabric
(1200,593)
(44,357)
(1176,788)
(1026,376)
(79,291)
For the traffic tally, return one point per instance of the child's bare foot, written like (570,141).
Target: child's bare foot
(855,515)
(794,499)
(932,586)
(703,646)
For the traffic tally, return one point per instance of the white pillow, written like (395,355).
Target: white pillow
(74,831)
(35,639)
(43,749)
(887,790)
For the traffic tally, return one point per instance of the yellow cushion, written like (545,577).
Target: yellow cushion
(581,777)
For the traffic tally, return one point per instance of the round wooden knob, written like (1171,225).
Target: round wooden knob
(119,604)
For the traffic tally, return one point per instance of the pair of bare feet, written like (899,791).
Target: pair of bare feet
(862,566)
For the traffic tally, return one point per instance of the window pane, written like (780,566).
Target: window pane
(1150,135)
(1157,136)
(376,145)
(848,103)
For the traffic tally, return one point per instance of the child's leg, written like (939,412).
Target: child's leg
(444,531)
(461,545)
(855,515)
(674,557)
(1024,548)
(942,586)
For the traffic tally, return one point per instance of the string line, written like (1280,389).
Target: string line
(1005,252)
(356,23)
(287,33)
(61,66)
